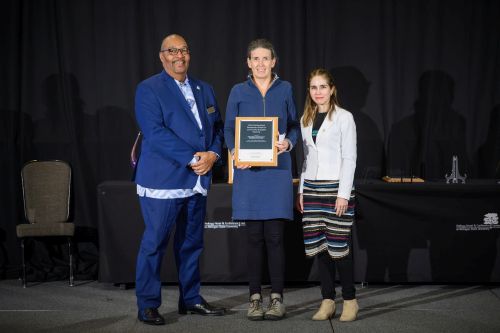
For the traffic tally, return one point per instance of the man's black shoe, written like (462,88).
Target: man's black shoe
(203,309)
(151,316)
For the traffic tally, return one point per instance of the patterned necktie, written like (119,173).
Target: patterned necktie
(188,95)
(185,92)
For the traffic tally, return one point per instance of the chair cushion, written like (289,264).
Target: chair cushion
(45,229)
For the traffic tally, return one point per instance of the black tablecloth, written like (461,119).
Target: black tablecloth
(430,232)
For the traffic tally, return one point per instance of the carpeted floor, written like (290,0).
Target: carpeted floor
(97,307)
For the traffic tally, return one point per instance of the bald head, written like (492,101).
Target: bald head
(170,38)
(174,56)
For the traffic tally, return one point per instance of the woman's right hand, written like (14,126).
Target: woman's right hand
(299,203)
(241,166)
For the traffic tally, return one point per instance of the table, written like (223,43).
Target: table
(224,258)
(429,232)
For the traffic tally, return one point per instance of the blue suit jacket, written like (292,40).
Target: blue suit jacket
(171,135)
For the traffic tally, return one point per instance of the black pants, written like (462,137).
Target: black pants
(270,233)
(326,266)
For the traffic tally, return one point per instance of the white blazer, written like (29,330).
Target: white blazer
(333,156)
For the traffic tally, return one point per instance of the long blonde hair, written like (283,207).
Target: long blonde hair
(310,107)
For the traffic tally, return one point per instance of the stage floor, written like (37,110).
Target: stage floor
(100,307)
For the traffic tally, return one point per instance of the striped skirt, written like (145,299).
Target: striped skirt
(323,230)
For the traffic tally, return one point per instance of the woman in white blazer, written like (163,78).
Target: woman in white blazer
(326,196)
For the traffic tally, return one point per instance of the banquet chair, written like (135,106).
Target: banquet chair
(46,187)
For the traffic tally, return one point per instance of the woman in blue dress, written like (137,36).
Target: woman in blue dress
(263,196)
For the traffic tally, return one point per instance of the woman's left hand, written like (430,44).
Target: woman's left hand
(341,206)
(282,146)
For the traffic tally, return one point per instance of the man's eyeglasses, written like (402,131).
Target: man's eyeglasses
(175,51)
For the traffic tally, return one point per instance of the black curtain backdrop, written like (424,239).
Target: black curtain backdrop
(422,78)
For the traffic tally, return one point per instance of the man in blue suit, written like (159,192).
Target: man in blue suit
(182,139)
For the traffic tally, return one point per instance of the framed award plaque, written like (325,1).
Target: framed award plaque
(255,138)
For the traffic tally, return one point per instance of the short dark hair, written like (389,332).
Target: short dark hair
(263,43)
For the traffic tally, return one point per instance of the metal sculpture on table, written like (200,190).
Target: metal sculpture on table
(455,176)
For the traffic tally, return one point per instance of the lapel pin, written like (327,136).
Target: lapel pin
(198,87)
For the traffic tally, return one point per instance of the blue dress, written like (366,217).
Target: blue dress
(263,193)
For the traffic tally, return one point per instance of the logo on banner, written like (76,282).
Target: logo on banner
(490,222)
(491,218)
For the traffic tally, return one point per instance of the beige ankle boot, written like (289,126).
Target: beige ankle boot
(326,310)
(350,310)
